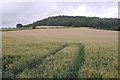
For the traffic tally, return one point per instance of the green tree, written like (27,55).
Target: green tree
(77,21)
(33,26)
(19,25)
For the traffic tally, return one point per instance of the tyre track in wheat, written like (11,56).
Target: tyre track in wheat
(12,73)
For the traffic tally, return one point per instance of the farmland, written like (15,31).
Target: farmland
(60,53)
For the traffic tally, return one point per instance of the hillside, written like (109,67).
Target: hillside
(78,21)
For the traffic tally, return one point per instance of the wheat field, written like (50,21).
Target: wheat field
(60,53)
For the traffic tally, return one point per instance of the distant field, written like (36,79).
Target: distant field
(37,27)
(65,35)
(60,53)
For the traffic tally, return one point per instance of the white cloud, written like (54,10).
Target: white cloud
(80,11)
(26,12)
(85,10)
(59,0)
(111,12)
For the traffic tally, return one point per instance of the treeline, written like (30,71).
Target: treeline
(78,21)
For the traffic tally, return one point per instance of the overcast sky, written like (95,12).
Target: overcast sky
(28,12)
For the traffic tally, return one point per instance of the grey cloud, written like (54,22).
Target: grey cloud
(28,12)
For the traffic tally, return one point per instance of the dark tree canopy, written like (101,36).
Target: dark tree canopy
(78,21)
(19,25)
(33,26)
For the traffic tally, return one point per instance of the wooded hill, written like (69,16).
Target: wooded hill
(78,21)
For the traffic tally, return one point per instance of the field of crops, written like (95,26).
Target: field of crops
(60,53)
(101,61)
